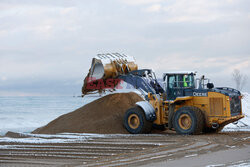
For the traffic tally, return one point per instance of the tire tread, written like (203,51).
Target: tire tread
(147,125)
(199,119)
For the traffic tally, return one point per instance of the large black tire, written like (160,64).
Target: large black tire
(188,120)
(135,121)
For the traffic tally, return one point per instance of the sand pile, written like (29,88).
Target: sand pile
(104,115)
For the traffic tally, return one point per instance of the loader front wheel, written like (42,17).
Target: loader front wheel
(188,120)
(135,121)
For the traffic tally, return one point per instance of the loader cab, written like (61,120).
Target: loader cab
(175,84)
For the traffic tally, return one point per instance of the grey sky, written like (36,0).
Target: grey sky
(46,46)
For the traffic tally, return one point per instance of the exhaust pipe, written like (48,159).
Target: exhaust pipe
(215,125)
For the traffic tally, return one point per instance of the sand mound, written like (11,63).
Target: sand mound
(104,115)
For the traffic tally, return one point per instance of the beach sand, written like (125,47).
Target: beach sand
(227,148)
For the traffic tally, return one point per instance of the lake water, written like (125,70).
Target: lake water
(24,114)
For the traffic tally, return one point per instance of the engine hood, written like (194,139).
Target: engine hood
(226,91)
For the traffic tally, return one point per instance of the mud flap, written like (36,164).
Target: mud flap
(148,109)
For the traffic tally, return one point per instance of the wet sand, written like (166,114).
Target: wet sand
(125,150)
(228,157)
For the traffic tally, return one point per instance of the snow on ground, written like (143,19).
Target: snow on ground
(63,137)
(50,138)
(244,123)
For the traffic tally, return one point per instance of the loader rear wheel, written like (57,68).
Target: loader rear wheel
(135,121)
(185,121)
(188,120)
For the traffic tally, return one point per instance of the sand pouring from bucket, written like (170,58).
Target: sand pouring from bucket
(108,66)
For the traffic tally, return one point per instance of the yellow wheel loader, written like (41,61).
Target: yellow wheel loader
(186,104)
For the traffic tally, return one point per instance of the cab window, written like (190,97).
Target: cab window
(188,81)
(171,81)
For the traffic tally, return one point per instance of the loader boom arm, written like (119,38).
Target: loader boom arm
(143,80)
(115,66)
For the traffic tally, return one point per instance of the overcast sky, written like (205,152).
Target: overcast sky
(46,46)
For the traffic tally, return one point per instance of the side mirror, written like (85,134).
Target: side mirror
(210,85)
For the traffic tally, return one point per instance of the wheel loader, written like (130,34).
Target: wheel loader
(184,103)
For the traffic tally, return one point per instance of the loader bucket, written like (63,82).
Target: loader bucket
(97,69)
(107,66)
